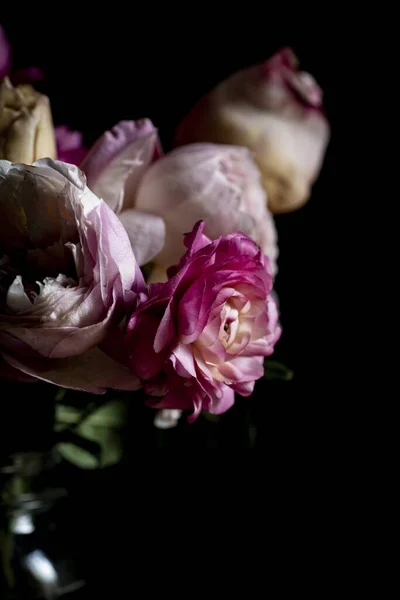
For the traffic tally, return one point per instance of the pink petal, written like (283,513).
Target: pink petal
(146,233)
(118,160)
(143,360)
(184,354)
(196,240)
(166,330)
(194,311)
(70,147)
(225,402)
(216,183)
(244,388)
(243,369)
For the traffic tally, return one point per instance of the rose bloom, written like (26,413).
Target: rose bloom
(276,111)
(26,126)
(218,184)
(114,167)
(67,277)
(203,335)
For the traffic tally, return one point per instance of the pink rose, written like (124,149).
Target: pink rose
(201,336)
(70,146)
(67,277)
(276,111)
(114,167)
(218,184)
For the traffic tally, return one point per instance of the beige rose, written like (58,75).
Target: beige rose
(276,111)
(26,126)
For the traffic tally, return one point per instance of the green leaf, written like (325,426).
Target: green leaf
(276,371)
(66,415)
(91,440)
(111,414)
(108,440)
(78,456)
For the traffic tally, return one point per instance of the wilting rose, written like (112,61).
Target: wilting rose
(26,126)
(202,335)
(218,184)
(67,277)
(70,146)
(114,168)
(5,53)
(276,111)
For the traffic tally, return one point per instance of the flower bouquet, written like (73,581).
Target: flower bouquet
(130,275)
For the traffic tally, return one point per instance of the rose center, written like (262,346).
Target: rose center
(230,324)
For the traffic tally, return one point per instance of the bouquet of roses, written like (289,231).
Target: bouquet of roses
(123,268)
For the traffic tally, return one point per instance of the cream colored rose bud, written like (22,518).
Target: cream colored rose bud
(26,125)
(276,111)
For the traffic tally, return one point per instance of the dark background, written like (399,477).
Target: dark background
(98,75)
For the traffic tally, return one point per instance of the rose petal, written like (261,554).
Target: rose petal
(184,354)
(146,363)
(92,372)
(242,369)
(225,403)
(70,146)
(146,233)
(117,161)
(17,300)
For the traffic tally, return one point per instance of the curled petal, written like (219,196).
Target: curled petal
(243,369)
(70,322)
(224,403)
(118,160)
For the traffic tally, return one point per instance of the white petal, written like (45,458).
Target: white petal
(17,300)
(167,418)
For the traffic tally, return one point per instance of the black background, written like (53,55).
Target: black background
(99,74)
